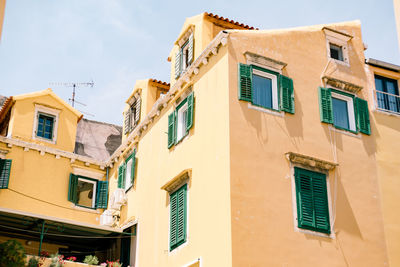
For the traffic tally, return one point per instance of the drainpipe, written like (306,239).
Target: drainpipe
(41,238)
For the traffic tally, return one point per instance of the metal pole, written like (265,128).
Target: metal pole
(73,95)
(41,238)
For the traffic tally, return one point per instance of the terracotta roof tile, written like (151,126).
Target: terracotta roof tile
(231,21)
(160,82)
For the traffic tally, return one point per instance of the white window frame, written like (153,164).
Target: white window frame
(128,182)
(294,203)
(181,122)
(40,109)
(94,192)
(340,40)
(274,87)
(350,109)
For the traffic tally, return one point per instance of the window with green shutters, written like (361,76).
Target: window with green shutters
(178,213)
(5,169)
(184,56)
(132,116)
(180,121)
(265,88)
(312,200)
(87,192)
(126,172)
(343,110)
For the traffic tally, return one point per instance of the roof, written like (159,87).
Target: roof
(2,100)
(160,82)
(383,64)
(50,92)
(244,26)
(5,105)
(97,140)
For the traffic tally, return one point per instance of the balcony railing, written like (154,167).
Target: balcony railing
(388,102)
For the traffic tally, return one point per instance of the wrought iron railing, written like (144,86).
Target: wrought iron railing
(388,102)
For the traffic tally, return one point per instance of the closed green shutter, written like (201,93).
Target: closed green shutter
(312,201)
(127,121)
(121,176)
(325,105)
(173,217)
(137,110)
(189,119)
(5,169)
(178,64)
(190,51)
(245,77)
(72,188)
(102,194)
(178,217)
(171,129)
(363,123)
(286,94)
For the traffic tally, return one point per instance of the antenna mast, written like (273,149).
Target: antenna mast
(74,85)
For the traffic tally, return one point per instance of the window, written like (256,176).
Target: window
(184,56)
(87,192)
(312,200)
(5,169)
(265,88)
(45,124)
(387,94)
(336,52)
(180,121)
(132,115)
(126,172)
(178,203)
(344,111)
(337,45)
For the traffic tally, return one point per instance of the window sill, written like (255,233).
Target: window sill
(266,110)
(345,131)
(91,210)
(315,233)
(387,112)
(38,138)
(344,63)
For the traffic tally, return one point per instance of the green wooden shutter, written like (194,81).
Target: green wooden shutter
(102,194)
(171,129)
(190,51)
(325,105)
(5,169)
(181,216)
(121,176)
(178,65)
(72,188)
(137,110)
(127,121)
(173,218)
(286,94)
(362,117)
(189,119)
(245,77)
(132,170)
(312,201)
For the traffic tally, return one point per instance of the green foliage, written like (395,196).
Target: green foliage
(57,260)
(12,254)
(33,262)
(90,259)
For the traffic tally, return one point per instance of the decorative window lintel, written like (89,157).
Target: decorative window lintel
(177,181)
(346,86)
(310,162)
(252,58)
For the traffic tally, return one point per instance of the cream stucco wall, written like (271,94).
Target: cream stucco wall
(205,152)
(263,215)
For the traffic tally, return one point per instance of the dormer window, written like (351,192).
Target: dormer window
(132,115)
(336,52)
(184,56)
(45,124)
(337,45)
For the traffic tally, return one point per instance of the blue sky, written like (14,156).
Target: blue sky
(116,42)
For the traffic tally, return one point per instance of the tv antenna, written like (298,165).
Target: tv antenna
(74,86)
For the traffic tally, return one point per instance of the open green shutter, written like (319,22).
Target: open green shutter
(102,194)
(190,103)
(304,198)
(72,192)
(137,110)
(132,170)
(171,129)
(178,65)
(5,169)
(181,216)
(190,51)
(320,198)
(245,77)
(127,121)
(286,94)
(121,176)
(325,105)
(173,220)
(363,123)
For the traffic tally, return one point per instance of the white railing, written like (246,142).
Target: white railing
(387,102)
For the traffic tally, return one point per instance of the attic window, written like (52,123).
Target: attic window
(45,124)
(337,45)
(132,115)
(185,54)
(336,52)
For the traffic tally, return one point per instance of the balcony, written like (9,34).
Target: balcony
(387,102)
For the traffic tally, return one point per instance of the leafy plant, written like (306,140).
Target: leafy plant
(33,262)
(57,260)
(114,263)
(12,254)
(90,259)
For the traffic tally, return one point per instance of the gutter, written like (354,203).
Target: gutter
(382,64)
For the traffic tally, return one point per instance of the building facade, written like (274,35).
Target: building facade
(266,148)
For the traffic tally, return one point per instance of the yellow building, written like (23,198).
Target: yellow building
(267,148)
(2,10)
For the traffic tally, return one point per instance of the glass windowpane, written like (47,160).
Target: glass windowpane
(340,113)
(262,91)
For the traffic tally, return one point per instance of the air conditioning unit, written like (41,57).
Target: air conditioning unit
(106,218)
(118,198)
